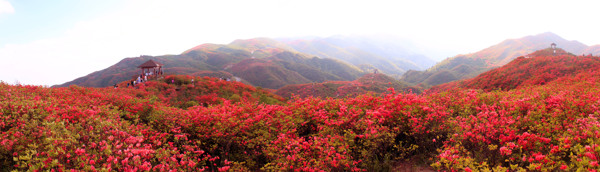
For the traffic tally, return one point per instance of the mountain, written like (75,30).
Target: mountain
(292,68)
(261,62)
(369,83)
(390,55)
(538,68)
(470,65)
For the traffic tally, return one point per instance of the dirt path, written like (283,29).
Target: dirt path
(408,166)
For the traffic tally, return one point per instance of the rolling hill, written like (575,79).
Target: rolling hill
(261,62)
(470,65)
(591,50)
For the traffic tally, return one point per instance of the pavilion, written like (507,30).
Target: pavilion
(151,68)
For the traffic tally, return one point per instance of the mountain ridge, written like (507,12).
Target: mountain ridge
(218,60)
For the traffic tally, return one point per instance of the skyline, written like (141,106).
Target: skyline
(47,43)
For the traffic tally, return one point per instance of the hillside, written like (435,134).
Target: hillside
(369,83)
(273,65)
(180,91)
(538,68)
(389,55)
(471,65)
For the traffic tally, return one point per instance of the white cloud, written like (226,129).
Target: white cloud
(6,7)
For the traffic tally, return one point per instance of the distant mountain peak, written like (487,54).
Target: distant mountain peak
(548,34)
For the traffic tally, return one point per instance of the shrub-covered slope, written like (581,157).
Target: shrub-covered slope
(181,91)
(537,68)
(369,83)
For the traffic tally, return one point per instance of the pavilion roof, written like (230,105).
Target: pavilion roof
(150,64)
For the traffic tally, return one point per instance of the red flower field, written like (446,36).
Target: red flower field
(217,125)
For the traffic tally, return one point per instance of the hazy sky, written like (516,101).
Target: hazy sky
(46,42)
